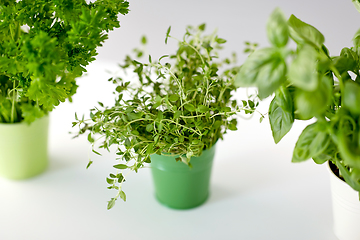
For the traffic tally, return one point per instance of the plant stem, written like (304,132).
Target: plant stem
(341,82)
(13,104)
(191,46)
(168,120)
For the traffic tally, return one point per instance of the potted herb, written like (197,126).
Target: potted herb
(307,83)
(44,47)
(171,115)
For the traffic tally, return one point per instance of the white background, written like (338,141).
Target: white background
(256,192)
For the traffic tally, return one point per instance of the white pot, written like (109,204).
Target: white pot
(346,209)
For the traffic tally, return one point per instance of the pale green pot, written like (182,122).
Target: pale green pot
(23,148)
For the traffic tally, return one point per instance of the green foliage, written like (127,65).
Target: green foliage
(265,68)
(277,29)
(180,105)
(310,84)
(356,4)
(280,120)
(44,47)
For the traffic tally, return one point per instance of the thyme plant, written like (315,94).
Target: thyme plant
(44,47)
(179,105)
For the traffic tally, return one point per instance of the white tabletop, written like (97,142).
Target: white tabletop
(256,192)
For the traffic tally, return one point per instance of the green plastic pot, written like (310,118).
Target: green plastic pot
(179,186)
(23,149)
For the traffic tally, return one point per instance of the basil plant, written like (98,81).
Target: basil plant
(308,83)
(44,47)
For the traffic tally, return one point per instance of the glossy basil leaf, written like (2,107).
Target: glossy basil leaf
(277,28)
(270,77)
(356,4)
(264,69)
(356,42)
(322,158)
(302,32)
(280,121)
(310,104)
(284,100)
(303,70)
(327,154)
(348,143)
(351,99)
(351,55)
(311,143)
(344,65)
(247,75)
(345,173)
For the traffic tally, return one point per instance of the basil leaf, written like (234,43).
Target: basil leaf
(280,121)
(302,32)
(247,75)
(277,29)
(322,158)
(283,99)
(344,64)
(313,103)
(356,41)
(348,142)
(311,143)
(347,61)
(264,69)
(303,70)
(345,173)
(327,155)
(352,96)
(356,4)
(270,77)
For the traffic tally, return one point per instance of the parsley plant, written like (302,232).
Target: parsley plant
(44,47)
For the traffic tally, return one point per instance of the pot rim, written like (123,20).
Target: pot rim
(339,181)
(178,155)
(332,172)
(23,122)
